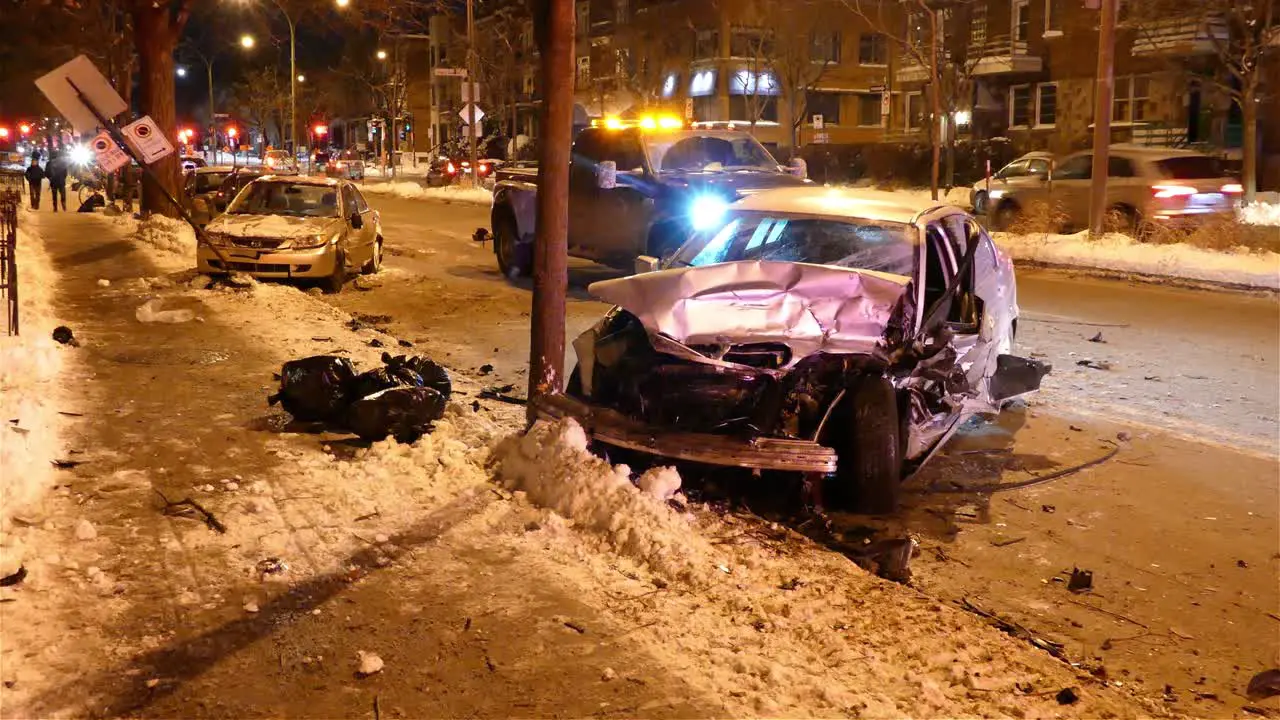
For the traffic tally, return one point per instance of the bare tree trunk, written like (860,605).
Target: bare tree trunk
(554,26)
(1249,109)
(155,40)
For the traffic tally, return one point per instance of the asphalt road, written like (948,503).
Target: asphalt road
(1202,364)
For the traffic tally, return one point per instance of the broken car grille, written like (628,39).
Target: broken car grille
(698,397)
(255,242)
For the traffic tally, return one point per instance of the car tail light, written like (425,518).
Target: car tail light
(450,169)
(483,168)
(1169,191)
(1233,188)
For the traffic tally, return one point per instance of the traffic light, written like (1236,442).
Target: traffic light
(24,129)
(4,133)
(232,132)
(320,130)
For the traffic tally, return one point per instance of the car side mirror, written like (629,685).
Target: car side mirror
(647,264)
(799,168)
(356,221)
(606,174)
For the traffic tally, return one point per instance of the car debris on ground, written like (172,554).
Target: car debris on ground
(400,400)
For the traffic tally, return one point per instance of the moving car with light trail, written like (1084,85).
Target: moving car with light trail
(635,190)
(1147,187)
(1030,169)
(293,227)
(840,334)
(281,162)
(346,164)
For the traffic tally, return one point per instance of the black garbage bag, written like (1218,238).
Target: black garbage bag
(405,413)
(368,383)
(315,388)
(433,376)
(91,203)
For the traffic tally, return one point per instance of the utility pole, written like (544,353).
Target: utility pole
(1105,84)
(472,98)
(935,127)
(553,25)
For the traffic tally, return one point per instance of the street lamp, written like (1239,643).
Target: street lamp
(302,78)
(182,72)
(247,42)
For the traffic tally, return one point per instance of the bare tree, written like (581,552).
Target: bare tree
(264,101)
(157,26)
(1245,37)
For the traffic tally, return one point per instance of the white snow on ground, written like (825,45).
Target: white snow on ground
(173,237)
(414,191)
(1114,252)
(958,196)
(1261,213)
(30,366)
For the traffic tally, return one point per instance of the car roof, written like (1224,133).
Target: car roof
(302,180)
(1148,152)
(851,203)
(214,169)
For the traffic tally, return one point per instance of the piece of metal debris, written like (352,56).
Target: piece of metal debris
(272,566)
(15,578)
(1049,509)
(1097,338)
(1081,580)
(66,464)
(186,507)
(1095,364)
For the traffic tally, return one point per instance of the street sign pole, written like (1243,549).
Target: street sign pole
(471,82)
(1102,117)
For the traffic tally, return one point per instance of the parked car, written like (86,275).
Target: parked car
(636,191)
(202,192)
(191,162)
(840,334)
(281,162)
(346,164)
(233,183)
(1146,186)
(1030,169)
(296,227)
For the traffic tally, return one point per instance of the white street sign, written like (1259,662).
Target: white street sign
(470,91)
(57,86)
(821,138)
(147,140)
(466,131)
(465,114)
(817,122)
(885,102)
(109,155)
(451,72)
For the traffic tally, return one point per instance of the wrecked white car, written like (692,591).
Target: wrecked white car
(840,334)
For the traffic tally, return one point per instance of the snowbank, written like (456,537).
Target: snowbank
(552,465)
(1240,266)
(30,366)
(413,191)
(1261,213)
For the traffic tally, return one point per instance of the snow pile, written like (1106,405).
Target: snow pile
(413,191)
(1240,266)
(29,370)
(958,196)
(1261,213)
(167,234)
(552,465)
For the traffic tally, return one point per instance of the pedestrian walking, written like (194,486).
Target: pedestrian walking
(56,171)
(34,176)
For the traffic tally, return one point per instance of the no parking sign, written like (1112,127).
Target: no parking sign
(147,140)
(109,155)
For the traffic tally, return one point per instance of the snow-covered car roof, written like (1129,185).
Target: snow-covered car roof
(300,180)
(214,169)
(880,205)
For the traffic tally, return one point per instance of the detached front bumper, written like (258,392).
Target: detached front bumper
(613,428)
(313,263)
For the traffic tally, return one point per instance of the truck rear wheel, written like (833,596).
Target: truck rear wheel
(515,258)
(866,435)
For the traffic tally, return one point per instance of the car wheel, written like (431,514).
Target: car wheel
(514,257)
(375,262)
(867,436)
(333,284)
(980,202)
(1006,216)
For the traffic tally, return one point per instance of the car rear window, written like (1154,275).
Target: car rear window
(862,244)
(1191,167)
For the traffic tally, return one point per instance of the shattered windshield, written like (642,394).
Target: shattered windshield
(278,198)
(708,152)
(863,244)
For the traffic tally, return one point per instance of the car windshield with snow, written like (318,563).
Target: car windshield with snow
(842,335)
(289,227)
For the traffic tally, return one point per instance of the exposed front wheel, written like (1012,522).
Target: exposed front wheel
(866,433)
(333,283)
(515,259)
(980,203)
(375,262)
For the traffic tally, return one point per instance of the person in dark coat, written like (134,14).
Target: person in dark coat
(56,171)
(34,177)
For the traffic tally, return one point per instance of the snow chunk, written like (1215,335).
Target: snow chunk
(103,282)
(370,663)
(552,466)
(413,191)
(1261,213)
(150,312)
(85,530)
(662,483)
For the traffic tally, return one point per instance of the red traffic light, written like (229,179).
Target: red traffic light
(4,133)
(24,129)
(320,130)
(231,132)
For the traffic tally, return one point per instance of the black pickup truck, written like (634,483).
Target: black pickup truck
(635,192)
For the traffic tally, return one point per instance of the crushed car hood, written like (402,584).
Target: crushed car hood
(274,226)
(809,308)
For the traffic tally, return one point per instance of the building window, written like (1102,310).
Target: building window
(826,47)
(1132,93)
(669,85)
(583,17)
(915,110)
(748,108)
(702,83)
(1021,20)
(746,82)
(868,111)
(1046,104)
(584,70)
(1052,17)
(1020,106)
(706,44)
(872,49)
(825,104)
(750,43)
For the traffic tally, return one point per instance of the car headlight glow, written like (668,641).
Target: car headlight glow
(707,211)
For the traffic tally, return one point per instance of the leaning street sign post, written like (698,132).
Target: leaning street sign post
(82,94)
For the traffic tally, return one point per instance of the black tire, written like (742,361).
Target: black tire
(868,439)
(1005,216)
(333,284)
(515,258)
(375,262)
(980,202)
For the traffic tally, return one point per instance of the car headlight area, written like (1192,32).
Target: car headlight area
(313,241)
